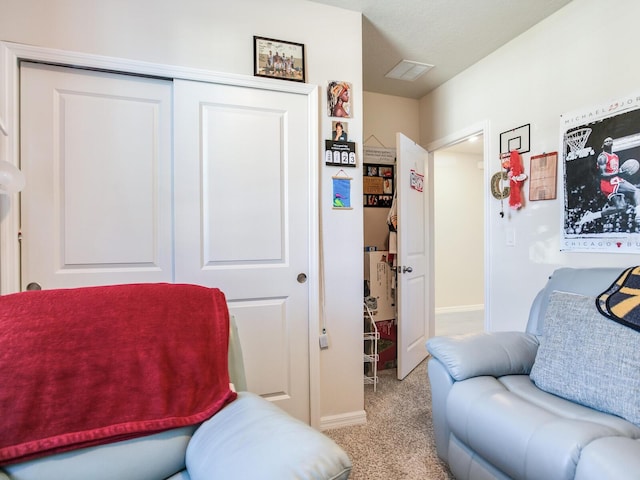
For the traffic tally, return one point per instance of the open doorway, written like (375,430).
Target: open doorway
(458,235)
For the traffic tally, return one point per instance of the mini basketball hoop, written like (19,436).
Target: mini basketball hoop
(577,139)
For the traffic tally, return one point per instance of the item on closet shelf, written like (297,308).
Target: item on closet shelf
(388,344)
(371,337)
(392,222)
(378,278)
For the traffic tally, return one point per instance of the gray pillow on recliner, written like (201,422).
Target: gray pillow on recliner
(587,358)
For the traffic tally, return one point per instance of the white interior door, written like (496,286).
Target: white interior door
(413,269)
(96,152)
(242,223)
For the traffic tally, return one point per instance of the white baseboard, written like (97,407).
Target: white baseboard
(343,420)
(460,309)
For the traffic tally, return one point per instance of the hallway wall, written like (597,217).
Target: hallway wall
(384,116)
(552,69)
(458,230)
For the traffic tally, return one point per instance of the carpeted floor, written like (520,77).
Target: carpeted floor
(397,441)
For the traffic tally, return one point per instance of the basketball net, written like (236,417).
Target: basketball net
(577,139)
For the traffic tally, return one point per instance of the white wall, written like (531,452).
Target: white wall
(459,229)
(218,36)
(384,116)
(456,216)
(582,55)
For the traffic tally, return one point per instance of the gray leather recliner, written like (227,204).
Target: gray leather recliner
(492,422)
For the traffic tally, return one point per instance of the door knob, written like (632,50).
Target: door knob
(34,286)
(302,277)
(407,269)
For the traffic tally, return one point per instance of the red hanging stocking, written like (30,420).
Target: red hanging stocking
(516,179)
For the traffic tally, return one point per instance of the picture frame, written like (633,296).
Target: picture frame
(339,131)
(278,59)
(339,99)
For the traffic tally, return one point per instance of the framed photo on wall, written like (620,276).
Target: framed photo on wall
(278,59)
(339,99)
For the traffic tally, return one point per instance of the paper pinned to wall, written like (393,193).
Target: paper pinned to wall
(416,181)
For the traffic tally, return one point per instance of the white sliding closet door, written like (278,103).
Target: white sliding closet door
(96,150)
(242,223)
(133,179)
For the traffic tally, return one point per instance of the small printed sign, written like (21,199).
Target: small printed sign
(417,181)
(341,154)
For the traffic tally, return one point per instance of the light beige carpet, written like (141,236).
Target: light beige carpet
(397,441)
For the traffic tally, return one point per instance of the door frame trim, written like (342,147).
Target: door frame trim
(481,128)
(11,54)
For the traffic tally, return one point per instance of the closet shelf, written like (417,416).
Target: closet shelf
(370,356)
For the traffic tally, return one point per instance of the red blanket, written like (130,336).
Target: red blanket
(87,366)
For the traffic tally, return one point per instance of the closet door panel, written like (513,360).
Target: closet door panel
(242,223)
(248,168)
(96,152)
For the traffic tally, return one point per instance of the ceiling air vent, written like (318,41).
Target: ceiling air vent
(408,70)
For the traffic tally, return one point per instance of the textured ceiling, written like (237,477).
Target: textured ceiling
(450,34)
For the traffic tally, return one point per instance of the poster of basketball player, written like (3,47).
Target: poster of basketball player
(600,153)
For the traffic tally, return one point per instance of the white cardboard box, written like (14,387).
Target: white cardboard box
(379,280)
